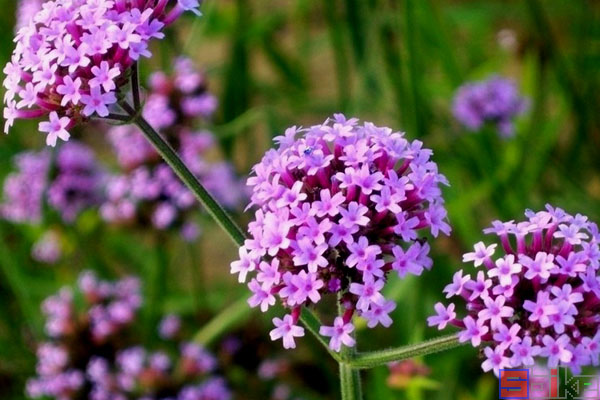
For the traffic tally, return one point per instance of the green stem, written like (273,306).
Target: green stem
(350,385)
(226,319)
(188,178)
(350,382)
(376,358)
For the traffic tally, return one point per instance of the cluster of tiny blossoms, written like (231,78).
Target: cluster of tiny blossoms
(24,189)
(73,55)
(148,190)
(70,183)
(138,373)
(77,334)
(495,101)
(95,354)
(339,207)
(539,298)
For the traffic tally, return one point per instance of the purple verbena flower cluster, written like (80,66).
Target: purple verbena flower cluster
(175,105)
(74,334)
(78,182)
(137,373)
(109,308)
(95,354)
(496,101)
(539,298)
(157,191)
(71,184)
(72,57)
(148,190)
(24,189)
(340,207)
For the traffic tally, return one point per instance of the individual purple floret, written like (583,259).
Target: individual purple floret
(24,189)
(73,56)
(47,249)
(539,298)
(340,205)
(495,101)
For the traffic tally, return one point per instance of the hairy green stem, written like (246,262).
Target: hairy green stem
(377,358)
(350,385)
(350,382)
(184,173)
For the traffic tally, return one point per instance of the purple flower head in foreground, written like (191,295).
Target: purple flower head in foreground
(72,57)
(538,297)
(95,354)
(496,101)
(341,205)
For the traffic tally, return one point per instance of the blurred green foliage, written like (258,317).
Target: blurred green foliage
(276,63)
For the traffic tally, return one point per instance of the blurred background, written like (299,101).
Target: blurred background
(275,63)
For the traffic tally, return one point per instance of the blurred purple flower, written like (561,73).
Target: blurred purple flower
(92,353)
(495,101)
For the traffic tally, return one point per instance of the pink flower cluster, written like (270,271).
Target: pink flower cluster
(110,307)
(74,55)
(175,106)
(24,189)
(71,183)
(95,354)
(157,375)
(148,191)
(340,207)
(158,188)
(539,298)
